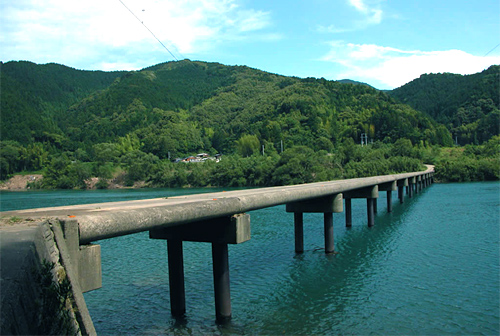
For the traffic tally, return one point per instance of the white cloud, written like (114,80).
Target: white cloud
(394,67)
(72,32)
(370,15)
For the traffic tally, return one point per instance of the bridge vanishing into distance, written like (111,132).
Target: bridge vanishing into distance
(218,218)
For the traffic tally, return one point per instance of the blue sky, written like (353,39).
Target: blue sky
(385,43)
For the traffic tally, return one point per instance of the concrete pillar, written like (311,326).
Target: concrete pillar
(86,259)
(299,231)
(176,277)
(375,206)
(389,187)
(370,193)
(326,205)
(408,190)
(220,257)
(217,231)
(370,210)
(401,195)
(348,212)
(328,220)
(401,185)
(389,200)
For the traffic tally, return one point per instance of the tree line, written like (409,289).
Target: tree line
(125,163)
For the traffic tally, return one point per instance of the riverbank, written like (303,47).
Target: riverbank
(20,182)
(29,182)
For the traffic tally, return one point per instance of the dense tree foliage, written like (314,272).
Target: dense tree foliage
(273,130)
(469,105)
(35,98)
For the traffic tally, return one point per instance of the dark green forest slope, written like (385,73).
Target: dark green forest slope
(35,97)
(467,105)
(74,124)
(183,107)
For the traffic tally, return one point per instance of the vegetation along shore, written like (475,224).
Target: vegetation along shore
(67,128)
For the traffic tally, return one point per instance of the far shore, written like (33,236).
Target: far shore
(21,183)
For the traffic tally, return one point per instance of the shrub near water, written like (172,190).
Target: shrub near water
(470,163)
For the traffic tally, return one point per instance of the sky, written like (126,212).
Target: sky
(385,43)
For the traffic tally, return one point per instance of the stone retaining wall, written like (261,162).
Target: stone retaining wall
(29,254)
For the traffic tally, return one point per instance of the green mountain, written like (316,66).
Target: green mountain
(184,107)
(350,81)
(73,125)
(35,97)
(467,105)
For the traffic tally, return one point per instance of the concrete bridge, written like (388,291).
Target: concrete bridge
(218,218)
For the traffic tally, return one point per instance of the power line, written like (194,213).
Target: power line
(149,30)
(491,50)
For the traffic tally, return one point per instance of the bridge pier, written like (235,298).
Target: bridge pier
(348,212)
(220,258)
(411,187)
(370,193)
(389,200)
(298,219)
(220,232)
(389,188)
(326,205)
(401,185)
(176,277)
(328,226)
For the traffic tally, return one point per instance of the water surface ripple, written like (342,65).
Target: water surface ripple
(431,267)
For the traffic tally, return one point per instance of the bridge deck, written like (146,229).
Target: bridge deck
(106,220)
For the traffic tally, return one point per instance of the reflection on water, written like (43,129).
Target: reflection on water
(430,267)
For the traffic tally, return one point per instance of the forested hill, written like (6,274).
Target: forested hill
(35,97)
(467,105)
(185,107)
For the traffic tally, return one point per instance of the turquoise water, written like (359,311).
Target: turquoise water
(431,267)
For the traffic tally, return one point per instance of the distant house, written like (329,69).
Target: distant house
(202,157)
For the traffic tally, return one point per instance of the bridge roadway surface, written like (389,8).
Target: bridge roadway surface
(112,219)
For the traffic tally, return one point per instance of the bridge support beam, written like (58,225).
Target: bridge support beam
(220,232)
(401,185)
(411,186)
(370,211)
(389,200)
(389,188)
(86,259)
(220,257)
(326,205)
(328,226)
(298,218)
(348,212)
(176,277)
(370,193)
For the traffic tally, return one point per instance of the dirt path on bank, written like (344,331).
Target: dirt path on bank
(19,182)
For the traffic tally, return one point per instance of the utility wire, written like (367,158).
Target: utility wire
(491,50)
(148,30)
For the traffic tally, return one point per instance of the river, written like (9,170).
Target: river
(431,267)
